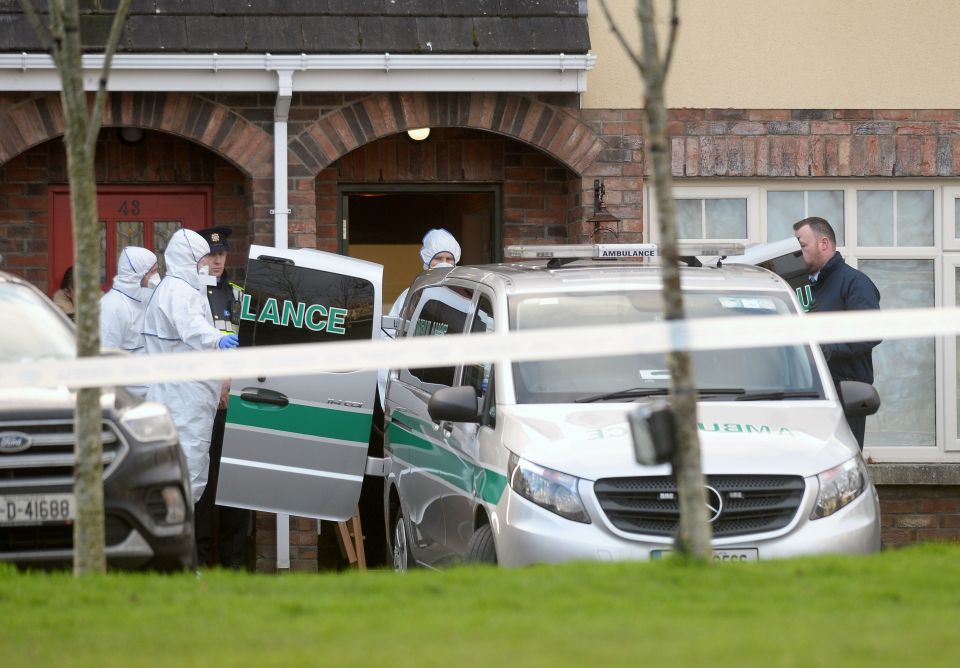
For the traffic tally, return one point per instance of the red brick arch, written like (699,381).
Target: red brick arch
(246,145)
(210,124)
(551,129)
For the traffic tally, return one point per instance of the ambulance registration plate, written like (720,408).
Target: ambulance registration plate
(744,554)
(36,508)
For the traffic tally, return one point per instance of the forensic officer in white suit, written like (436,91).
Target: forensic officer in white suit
(178,319)
(122,307)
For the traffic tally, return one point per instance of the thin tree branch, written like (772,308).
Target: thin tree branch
(638,63)
(96,118)
(39,27)
(649,49)
(672,39)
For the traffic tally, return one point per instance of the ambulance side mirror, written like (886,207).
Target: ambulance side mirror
(858,398)
(454,404)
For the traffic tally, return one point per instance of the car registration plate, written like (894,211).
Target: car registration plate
(742,554)
(36,508)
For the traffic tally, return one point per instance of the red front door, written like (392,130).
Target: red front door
(129,216)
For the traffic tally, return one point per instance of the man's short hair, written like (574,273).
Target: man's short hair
(820,227)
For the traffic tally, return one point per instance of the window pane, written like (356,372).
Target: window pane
(828,204)
(726,218)
(162,231)
(689,219)
(875,218)
(443,312)
(129,233)
(477,375)
(956,218)
(784,208)
(905,370)
(956,281)
(915,218)
(286,304)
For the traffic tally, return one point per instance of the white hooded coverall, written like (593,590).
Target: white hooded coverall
(178,319)
(121,308)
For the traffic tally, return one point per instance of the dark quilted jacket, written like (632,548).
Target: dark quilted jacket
(840,287)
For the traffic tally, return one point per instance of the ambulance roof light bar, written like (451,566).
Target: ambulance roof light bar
(617,251)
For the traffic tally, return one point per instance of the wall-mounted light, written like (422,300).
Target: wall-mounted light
(602,220)
(418,134)
(131,135)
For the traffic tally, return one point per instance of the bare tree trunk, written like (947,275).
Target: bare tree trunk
(693,537)
(61,36)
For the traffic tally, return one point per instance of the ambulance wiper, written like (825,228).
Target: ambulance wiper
(761,395)
(630,393)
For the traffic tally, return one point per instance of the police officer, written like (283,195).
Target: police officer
(234,523)
(224,296)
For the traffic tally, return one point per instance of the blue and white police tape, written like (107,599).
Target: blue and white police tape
(435,351)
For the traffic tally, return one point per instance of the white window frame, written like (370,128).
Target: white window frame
(945,253)
(951,440)
(894,251)
(751,194)
(950,240)
(802,186)
(914,453)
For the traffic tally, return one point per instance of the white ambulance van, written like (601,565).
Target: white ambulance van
(532,461)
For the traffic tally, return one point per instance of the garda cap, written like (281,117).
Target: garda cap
(216,237)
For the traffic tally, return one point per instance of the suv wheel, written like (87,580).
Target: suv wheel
(480,549)
(402,557)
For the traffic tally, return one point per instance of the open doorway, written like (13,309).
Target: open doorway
(385,225)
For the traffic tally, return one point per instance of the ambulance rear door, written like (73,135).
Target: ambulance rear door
(785,259)
(298,444)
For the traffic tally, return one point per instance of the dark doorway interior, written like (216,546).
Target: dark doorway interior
(387,227)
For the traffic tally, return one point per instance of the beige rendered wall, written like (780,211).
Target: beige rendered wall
(790,54)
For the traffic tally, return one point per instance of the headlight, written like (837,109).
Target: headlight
(839,486)
(149,422)
(555,491)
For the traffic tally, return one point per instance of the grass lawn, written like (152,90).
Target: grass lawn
(899,608)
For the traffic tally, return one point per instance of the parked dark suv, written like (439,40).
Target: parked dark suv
(148,518)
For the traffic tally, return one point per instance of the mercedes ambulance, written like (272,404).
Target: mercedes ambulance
(522,462)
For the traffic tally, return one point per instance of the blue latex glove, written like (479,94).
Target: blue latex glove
(228,341)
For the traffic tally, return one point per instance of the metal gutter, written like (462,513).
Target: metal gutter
(317,72)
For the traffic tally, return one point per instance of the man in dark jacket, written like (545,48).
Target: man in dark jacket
(836,286)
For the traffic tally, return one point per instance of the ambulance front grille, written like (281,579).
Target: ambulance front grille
(750,504)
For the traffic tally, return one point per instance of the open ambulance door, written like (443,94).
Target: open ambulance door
(298,444)
(783,258)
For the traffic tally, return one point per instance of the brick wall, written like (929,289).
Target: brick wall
(24,216)
(915,513)
(815,142)
(620,165)
(303,544)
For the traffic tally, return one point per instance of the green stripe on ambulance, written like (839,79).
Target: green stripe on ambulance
(300,419)
(421,453)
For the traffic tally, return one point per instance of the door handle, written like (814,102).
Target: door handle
(263,396)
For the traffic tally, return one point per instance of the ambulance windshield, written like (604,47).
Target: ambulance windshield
(777,372)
